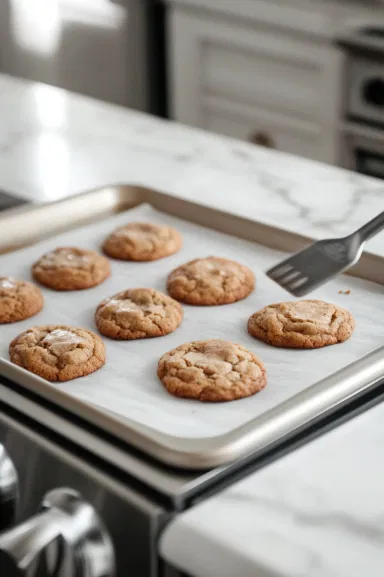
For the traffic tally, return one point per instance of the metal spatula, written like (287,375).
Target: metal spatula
(322,260)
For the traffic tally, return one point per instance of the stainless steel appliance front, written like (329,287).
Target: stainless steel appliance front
(365,99)
(363,114)
(73,519)
(363,149)
(77,503)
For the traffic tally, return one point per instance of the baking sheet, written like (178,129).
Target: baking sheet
(128,386)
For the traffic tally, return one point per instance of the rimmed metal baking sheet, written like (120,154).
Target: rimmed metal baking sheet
(25,226)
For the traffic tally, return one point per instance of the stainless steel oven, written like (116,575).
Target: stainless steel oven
(75,502)
(66,512)
(363,149)
(365,81)
(363,115)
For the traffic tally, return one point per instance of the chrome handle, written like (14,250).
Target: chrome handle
(262,139)
(8,490)
(82,545)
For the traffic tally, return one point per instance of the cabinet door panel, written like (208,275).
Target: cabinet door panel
(265,70)
(262,74)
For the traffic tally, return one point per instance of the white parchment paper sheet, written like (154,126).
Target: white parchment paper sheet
(128,384)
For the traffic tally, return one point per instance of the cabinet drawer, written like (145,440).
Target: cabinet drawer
(263,129)
(267,70)
(258,66)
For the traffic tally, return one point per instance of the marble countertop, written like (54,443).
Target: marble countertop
(317,512)
(306,514)
(54,143)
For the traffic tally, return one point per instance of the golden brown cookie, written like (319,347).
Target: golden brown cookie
(19,300)
(213,370)
(137,314)
(142,241)
(71,268)
(58,353)
(210,281)
(306,324)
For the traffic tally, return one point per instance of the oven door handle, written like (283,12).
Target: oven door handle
(9,490)
(73,525)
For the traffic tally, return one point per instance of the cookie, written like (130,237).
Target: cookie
(212,370)
(137,314)
(19,300)
(58,353)
(71,268)
(142,241)
(306,324)
(210,281)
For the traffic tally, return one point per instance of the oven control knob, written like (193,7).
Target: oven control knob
(374,92)
(8,490)
(66,537)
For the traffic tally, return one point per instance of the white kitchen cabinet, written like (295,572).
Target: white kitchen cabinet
(254,81)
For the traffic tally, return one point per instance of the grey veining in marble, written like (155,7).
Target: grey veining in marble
(318,512)
(54,143)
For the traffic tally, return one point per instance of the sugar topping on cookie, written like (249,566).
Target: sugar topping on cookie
(127,305)
(8,282)
(64,257)
(214,268)
(62,340)
(215,358)
(309,310)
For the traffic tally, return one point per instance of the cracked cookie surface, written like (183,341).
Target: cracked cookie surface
(213,370)
(138,313)
(19,300)
(210,281)
(306,324)
(58,352)
(142,241)
(71,268)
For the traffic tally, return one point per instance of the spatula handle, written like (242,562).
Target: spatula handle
(372,227)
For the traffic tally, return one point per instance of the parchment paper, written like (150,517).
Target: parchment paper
(128,384)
